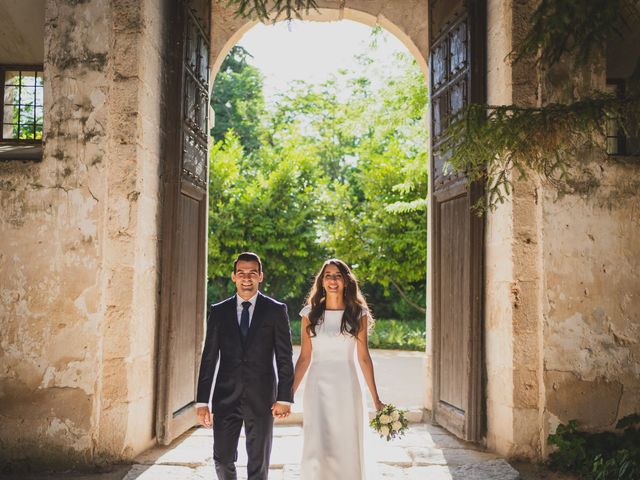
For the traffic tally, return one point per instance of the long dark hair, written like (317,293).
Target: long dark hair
(355,302)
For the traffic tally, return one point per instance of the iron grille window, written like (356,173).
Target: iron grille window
(616,140)
(22,104)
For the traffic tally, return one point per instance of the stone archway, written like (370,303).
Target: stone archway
(226,29)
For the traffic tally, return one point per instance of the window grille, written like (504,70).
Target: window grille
(22,112)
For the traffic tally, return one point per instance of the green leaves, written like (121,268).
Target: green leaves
(598,456)
(500,144)
(579,27)
(272,10)
(335,169)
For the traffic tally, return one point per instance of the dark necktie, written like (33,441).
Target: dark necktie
(244,319)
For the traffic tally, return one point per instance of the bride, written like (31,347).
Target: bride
(334,325)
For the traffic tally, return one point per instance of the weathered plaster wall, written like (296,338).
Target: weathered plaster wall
(562,275)
(52,219)
(22,32)
(78,249)
(591,264)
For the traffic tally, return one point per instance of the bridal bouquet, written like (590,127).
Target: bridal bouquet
(390,422)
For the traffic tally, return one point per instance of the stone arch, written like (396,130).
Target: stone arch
(224,36)
(407,20)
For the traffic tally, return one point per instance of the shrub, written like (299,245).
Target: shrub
(386,334)
(598,456)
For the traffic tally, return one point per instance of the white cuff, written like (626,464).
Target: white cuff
(198,405)
(284,403)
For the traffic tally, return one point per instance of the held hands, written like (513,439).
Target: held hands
(280,410)
(204,417)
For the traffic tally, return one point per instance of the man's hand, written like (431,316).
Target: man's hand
(280,410)
(204,416)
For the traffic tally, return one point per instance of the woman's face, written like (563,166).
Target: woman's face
(333,280)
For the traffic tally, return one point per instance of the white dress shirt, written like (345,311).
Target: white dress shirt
(239,308)
(240,301)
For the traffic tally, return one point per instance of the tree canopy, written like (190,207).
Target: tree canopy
(335,169)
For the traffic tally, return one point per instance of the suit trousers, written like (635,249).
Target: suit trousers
(226,433)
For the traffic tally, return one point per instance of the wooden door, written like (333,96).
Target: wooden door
(182,302)
(457,75)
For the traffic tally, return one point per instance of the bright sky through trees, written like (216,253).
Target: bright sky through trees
(312,51)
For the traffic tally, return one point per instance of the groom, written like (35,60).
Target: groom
(245,332)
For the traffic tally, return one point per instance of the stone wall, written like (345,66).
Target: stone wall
(591,265)
(79,244)
(562,281)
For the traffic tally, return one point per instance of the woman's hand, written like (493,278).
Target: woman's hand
(379,405)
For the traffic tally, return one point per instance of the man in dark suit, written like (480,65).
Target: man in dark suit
(245,332)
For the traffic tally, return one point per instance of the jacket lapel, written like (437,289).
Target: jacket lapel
(256,319)
(232,316)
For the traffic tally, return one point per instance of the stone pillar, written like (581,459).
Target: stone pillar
(512,263)
(79,244)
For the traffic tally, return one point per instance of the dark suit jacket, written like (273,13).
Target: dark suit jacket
(246,372)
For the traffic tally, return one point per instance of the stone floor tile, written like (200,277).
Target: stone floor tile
(390,472)
(432,472)
(286,450)
(174,472)
(497,469)
(425,456)
(391,455)
(287,431)
(455,456)
(192,450)
(291,472)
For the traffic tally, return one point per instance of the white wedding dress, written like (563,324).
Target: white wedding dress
(334,413)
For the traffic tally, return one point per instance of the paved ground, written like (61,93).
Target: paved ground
(400,379)
(426,452)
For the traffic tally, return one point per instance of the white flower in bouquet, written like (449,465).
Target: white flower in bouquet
(390,422)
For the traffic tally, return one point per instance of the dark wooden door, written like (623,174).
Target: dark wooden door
(184,258)
(457,77)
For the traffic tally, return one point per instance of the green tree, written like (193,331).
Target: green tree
(273,211)
(340,170)
(237,99)
(380,214)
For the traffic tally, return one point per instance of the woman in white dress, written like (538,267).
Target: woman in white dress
(335,322)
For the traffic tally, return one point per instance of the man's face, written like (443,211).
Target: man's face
(247,278)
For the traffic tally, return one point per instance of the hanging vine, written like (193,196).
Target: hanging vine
(272,10)
(499,144)
(491,143)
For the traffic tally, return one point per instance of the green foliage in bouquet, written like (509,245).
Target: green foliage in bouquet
(390,422)
(601,455)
